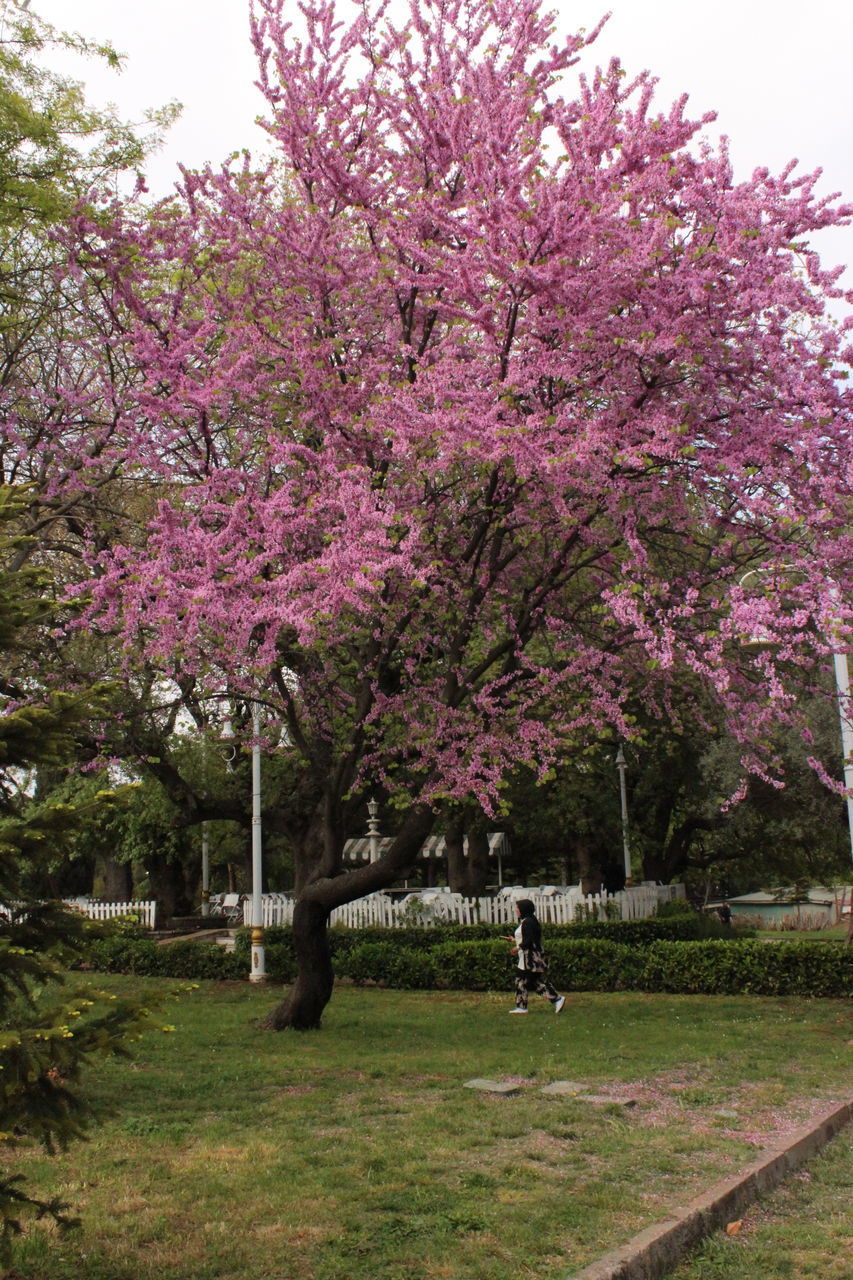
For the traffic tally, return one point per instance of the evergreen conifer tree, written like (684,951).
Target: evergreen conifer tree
(49,1026)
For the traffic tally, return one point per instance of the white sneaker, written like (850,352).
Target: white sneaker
(518,1011)
(558,1004)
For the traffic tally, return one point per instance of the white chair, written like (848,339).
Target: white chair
(232,907)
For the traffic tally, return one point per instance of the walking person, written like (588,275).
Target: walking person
(532,964)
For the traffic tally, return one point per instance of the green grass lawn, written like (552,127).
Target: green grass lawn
(356,1151)
(800,1232)
(833,933)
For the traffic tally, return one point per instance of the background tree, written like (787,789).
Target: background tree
(777,835)
(466,834)
(566,828)
(53,148)
(467,420)
(679,777)
(176,779)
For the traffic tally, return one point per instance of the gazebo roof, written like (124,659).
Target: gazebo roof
(434,847)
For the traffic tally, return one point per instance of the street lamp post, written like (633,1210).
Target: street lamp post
(842,685)
(621,765)
(205,847)
(258,971)
(205,871)
(373,828)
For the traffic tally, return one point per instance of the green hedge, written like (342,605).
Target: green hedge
(711,967)
(686,968)
(684,926)
(148,958)
(752,968)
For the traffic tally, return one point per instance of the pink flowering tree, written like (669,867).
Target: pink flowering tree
(462,423)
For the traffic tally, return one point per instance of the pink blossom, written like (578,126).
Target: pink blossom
(463,422)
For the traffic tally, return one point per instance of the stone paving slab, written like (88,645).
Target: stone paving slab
(564,1088)
(491,1086)
(655,1251)
(606,1099)
(576,1089)
(557,1089)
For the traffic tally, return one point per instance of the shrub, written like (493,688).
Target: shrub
(385,963)
(424,959)
(199,960)
(279,960)
(712,967)
(126,926)
(683,924)
(749,968)
(666,910)
(483,965)
(594,964)
(122,955)
(147,958)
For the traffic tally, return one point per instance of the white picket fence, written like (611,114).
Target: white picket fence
(442,907)
(146,912)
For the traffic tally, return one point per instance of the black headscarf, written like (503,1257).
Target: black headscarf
(531,931)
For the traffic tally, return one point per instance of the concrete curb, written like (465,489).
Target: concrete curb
(659,1248)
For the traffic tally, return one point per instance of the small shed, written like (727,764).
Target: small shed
(819,906)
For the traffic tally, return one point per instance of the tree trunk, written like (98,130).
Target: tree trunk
(118,886)
(303,1006)
(467,868)
(169,888)
(589,867)
(674,859)
(477,864)
(613,874)
(454,844)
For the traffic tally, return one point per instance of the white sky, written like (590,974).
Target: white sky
(777,72)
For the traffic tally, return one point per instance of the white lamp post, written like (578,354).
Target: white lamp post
(205,848)
(205,871)
(842,685)
(258,971)
(373,828)
(621,765)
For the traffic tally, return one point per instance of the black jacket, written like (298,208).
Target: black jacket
(532,957)
(531,934)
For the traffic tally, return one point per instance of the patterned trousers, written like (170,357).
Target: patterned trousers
(526,981)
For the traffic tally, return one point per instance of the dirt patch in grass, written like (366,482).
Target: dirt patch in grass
(696,1103)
